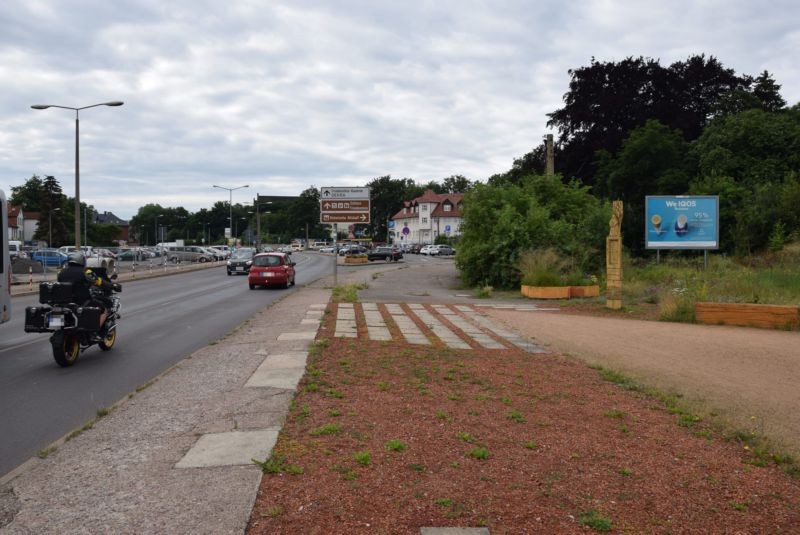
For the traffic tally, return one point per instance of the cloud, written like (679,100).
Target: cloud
(288,95)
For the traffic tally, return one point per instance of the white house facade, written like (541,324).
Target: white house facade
(423,219)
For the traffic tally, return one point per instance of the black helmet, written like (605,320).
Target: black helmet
(76,259)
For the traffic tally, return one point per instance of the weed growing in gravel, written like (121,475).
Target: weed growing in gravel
(43,454)
(362,457)
(383,386)
(516,416)
(417,467)
(395,445)
(334,412)
(444,502)
(614,414)
(327,429)
(627,472)
(531,445)
(479,453)
(272,512)
(594,520)
(466,437)
(441,415)
(277,464)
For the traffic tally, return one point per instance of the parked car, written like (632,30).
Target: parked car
(385,253)
(93,258)
(240,261)
(426,249)
(441,250)
(49,257)
(191,253)
(222,249)
(216,254)
(271,269)
(352,249)
(327,249)
(138,255)
(414,249)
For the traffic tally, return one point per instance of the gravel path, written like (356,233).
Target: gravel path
(749,377)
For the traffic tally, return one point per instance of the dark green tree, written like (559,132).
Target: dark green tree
(51,203)
(456,184)
(29,194)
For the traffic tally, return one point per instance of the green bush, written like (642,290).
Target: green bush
(541,212)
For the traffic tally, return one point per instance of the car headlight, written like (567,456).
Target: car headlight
(249,262)
(229,262)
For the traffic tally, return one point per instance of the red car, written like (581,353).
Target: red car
(271,269)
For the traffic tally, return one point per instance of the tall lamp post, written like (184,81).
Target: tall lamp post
(155,233)
(230,201)
(50,226)
(77,160)
(257,206)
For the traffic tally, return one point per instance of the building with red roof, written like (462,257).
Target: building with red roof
(423,219)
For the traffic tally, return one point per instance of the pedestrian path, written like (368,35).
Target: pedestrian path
(454,326)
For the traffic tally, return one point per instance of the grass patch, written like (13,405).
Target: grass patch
(276,464)
(395,445)
(479,453)
(45,453)
(516,416)
(348,293)
(362,457)
(327,429)
(594,520)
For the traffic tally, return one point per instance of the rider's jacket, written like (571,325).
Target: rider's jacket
(82,279)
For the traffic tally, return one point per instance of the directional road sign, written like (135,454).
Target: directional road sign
(343,193)
(344,205)
(354,205)
(344,217)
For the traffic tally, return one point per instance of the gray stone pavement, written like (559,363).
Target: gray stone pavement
(175,456)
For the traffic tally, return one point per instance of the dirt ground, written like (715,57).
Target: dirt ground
(747,378)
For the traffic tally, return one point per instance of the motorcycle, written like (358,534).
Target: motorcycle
(75,327)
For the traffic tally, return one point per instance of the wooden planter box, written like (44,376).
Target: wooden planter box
(546,292)
(584,291)
(749,315)
(560,292)
(355,260)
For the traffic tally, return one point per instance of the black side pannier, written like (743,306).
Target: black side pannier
(55,292)
(89,318)
(35,318)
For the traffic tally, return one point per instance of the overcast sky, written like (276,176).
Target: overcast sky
(286,95)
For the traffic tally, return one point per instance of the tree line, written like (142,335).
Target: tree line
(634,128)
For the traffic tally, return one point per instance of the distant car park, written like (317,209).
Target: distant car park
(385,253)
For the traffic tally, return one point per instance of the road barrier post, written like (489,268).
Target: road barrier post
(30,277)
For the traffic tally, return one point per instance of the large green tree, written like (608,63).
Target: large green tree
(607,100)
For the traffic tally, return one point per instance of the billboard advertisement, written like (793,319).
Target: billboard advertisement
(682,222)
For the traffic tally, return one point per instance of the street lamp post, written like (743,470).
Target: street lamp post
(257,206)
(230,201)
(77,160)
(155,233)
(50,226)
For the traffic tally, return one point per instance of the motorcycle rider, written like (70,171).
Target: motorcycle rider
(83,278)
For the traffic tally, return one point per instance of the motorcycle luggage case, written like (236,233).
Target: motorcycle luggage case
(89,318)
(35,319)
(55,292)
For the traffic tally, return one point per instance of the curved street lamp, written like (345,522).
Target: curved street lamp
(77,159)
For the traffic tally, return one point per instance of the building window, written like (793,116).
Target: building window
(447,207)
(424,219)
(424,207)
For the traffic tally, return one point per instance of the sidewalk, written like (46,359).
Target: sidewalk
(175,456)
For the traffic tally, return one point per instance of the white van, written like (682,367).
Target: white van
(15,249)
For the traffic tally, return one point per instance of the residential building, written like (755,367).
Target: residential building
(110,219)
(16,223)
(30,225)
(423,219)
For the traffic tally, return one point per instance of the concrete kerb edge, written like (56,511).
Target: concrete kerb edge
(34,461)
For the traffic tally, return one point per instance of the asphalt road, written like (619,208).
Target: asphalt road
(163,320)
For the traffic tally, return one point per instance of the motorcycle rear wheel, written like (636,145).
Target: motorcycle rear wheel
(66,348)
(108,342)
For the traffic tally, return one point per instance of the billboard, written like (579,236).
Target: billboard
(682,222)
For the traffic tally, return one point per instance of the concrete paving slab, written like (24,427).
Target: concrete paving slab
(289,359)
(318,306)
(302,335)
(286,378)
(230,449)
(310,321)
